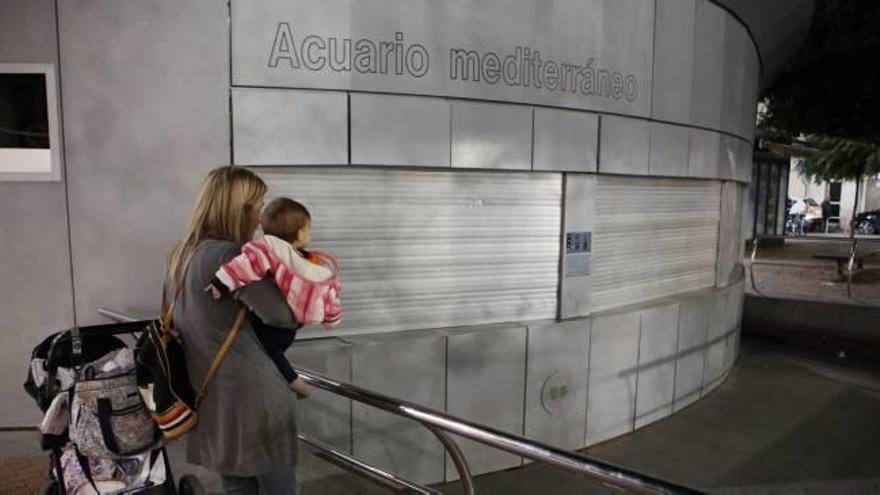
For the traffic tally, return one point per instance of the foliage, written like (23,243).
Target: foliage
(830,87)
(841,159)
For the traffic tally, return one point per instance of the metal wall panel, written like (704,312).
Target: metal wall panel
(705,153)
(735,159)
(33,232)
(613,39)
(289,127)
(715,361)
(727,159)
(653,238)
(692,329)
(708,71)
(410,367)
(657,354)
(146,115)
(730,251)
(422,249)
(752,70)
(565,140)
(670,150)
(575,281)
(489,135)
(719,315)
(556,382)
(745,161)
(625,145)
(325,416)
(736,42)
(673,60)
(738,297)
(730,351)
(400,130)
(485,374)
(614,348)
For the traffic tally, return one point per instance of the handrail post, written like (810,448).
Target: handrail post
(464,473)
(849,268)
(755,243)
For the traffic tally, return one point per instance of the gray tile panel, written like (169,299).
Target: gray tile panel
(705,151)
(657,355)
(565,140)
(556,383)
(670,150)
(625,145)
(408,366)
(708,68)
(289,127)
(614,347)
(490,135)
(400,130)
(485,383)
(694,316)
(673,60)
(325,416)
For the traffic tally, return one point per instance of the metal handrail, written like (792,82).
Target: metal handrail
(379,476)
(441,423)
(755,242)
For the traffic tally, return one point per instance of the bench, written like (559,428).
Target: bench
(842,258)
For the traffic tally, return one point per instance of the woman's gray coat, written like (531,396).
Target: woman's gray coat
(246,423)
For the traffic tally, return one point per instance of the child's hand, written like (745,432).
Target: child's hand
(214,292)
(300,388)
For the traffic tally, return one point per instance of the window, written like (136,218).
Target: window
(29,138)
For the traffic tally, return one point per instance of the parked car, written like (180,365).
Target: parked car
(868,222)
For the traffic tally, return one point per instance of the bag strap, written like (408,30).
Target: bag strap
(221,354)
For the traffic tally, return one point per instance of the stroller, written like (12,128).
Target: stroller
(56,365)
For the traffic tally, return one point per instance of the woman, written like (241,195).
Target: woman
(246,430)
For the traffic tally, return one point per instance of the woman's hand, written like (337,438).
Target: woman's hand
(300,388)
(214,292)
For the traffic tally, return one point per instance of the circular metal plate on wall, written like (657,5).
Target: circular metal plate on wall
(556,392)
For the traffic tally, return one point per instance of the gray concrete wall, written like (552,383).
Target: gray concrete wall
(146,115)
(36,296)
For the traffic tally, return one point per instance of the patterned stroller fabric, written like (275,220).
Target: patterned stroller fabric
(87,389)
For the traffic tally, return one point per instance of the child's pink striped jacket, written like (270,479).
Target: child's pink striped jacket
(311,288)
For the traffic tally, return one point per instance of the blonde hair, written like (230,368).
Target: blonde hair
(224,210)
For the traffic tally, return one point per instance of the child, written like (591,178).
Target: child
(309,281)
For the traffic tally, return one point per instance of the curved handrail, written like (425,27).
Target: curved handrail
(754,256)
(441,423)
(849,267)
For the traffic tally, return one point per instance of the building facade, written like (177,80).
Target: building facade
(538,206)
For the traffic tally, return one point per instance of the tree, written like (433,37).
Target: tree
(841,159)
(829,88)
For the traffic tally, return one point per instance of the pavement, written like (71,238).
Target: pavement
(790,271)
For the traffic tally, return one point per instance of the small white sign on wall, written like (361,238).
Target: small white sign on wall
(29,138)
(578,253)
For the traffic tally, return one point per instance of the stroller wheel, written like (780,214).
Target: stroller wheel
(50,488)
(190,485)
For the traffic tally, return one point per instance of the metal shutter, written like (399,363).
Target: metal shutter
(653,238)
(424,249)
